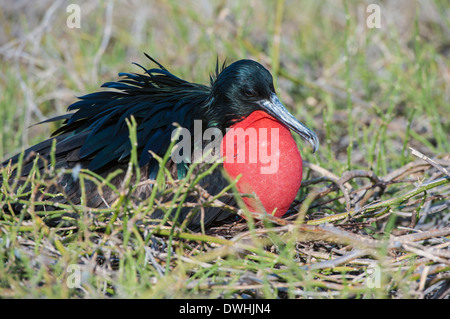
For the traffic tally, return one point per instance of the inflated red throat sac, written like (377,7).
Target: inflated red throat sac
(262,150)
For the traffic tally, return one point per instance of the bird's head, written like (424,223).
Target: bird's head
(244,87)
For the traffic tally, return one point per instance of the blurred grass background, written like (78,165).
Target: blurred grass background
(368,93)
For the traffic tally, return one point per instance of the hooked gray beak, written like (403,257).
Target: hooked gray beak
(274,107)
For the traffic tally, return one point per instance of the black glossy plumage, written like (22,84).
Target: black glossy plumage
(156,99)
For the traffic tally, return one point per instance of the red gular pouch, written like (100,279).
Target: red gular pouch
(263,151)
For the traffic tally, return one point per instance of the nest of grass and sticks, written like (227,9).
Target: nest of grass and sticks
(357,235)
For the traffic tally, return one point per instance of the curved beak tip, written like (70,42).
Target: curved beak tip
(315,143)
(310,137)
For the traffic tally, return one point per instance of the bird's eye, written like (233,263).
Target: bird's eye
(249,93)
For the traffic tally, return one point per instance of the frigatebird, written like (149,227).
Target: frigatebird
(94,135)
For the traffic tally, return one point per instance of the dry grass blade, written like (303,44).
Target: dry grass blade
(430,161)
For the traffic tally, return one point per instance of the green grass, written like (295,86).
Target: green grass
(370,94)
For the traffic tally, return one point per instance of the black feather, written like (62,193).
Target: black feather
(156,99)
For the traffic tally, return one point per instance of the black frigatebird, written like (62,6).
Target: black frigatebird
(240,96)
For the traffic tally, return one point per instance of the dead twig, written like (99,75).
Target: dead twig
(440,168)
